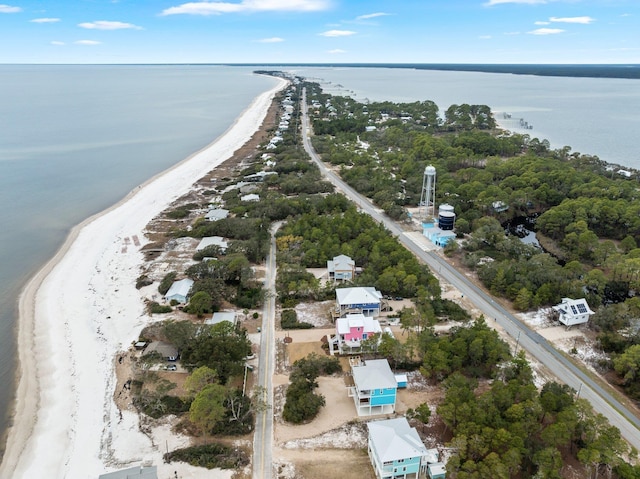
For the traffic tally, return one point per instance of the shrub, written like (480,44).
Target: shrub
(142,281)
(289,320)
(166,282)
(156,308)
(210,456)
(302,403)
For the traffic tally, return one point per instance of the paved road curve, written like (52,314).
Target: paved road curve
(538,347)
(263,435)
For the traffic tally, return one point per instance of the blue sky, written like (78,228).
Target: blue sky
(309,31)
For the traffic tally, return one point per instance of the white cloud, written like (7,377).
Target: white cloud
(372,15)
(337,33)
(271,40)
(9,9)
(581,20)
(55,42)
(528,2)
(337,51)
(45,20)
(541,23)
(107,25)
(546,31)
(218,8)
(87,42)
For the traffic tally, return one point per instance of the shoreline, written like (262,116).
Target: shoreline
(73,318)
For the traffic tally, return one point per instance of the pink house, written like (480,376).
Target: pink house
(353,328)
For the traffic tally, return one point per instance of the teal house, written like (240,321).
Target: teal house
(396,450)
(375,387)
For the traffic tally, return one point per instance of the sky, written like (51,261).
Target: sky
(320,31)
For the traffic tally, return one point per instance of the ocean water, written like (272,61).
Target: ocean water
(76,139)
(595,116)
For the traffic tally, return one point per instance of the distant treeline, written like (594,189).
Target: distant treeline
(568,70)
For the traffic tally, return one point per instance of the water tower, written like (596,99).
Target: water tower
(428,197)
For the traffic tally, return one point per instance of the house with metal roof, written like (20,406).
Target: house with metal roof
(221,316)
(396,450)
(217,214)
(573,311)
(375,387)
(353,328)
(251,197)
(179,291)
(341,268)
(165,350)
(437,470)
(218,241)
(142,472)
(366,300)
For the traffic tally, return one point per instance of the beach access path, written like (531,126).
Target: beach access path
(78,312)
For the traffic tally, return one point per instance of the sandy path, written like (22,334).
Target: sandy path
(77,312)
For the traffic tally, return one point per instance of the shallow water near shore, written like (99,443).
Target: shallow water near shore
(76,139)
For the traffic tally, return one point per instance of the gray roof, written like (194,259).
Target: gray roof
(165,350)
(221,316)
(340,263)
(142,472)
(374,374)
(361,295)
(180,288)
(394,439)
(217,214)
(218,241)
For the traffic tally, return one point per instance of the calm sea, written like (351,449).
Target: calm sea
(76,139)
(595,116)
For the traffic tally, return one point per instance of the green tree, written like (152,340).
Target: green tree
(166,282)
(208,408)
(199,379)
(523,299)
(200,304)
(627,364)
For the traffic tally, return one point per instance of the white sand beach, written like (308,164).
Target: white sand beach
(77,313)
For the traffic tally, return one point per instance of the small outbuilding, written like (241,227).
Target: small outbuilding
(437,471)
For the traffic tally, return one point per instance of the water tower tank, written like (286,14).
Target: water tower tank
(445,207)
(428,196)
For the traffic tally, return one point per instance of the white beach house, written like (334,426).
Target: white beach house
(573,311)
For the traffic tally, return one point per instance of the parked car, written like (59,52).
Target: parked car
(171,367)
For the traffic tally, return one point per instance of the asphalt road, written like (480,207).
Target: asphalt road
(263,434)
(537,346)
